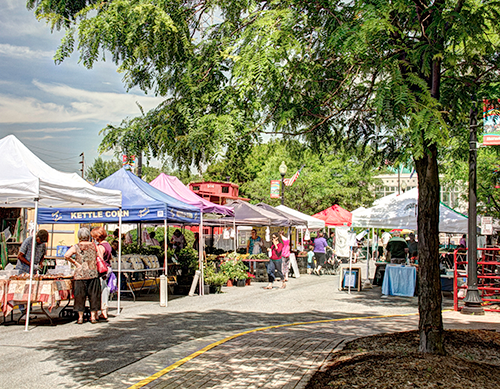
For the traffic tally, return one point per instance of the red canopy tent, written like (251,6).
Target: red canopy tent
(335,216)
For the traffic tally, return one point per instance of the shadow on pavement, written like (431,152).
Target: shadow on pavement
(113,345)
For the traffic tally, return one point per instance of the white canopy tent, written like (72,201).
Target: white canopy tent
(28,182)
(402,211)
(312,223)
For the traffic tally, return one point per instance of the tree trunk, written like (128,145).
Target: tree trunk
(429,298)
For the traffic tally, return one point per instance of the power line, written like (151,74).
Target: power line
(48,151)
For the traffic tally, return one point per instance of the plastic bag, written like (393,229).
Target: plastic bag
(112,283)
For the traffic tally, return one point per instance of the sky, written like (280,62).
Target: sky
(57,111)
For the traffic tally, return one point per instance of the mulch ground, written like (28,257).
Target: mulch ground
(393,361)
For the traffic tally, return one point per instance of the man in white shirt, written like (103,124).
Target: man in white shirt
(385,239)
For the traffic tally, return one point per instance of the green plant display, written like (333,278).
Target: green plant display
(234,269)
(188,260)
(214,278)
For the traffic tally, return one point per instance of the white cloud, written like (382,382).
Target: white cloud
(23,52)
(80,106)
(51,129)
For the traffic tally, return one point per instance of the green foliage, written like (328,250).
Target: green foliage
(160,234)
(456,170)
(102,169)
(144,250)
(234,269)
(327,179)
(398,76)
(188,260)
(212,277)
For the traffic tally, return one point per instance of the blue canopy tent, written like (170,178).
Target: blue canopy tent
(141,203)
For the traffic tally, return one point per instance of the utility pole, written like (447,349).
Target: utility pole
(83,163)
(139,164)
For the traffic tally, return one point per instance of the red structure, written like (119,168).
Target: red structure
(216,192)
(488,278)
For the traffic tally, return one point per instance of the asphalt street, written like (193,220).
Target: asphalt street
(69,355)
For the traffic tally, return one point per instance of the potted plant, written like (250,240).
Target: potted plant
(214,279)
(236,270)
(230,269)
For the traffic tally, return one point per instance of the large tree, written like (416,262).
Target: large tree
(398,75)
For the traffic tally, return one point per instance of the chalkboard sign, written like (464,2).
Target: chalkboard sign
(351,278)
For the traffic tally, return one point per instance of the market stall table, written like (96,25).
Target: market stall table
(45,291)
(399,280)
(139,285)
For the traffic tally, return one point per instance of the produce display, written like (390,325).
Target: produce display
(245,257)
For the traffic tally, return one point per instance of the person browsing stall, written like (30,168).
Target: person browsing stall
(24,255)
(178,240)
(397,248)
(99,234)
(385,239)
(412,246)
(87,282)
(254,244)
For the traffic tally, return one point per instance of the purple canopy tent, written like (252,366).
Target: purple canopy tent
(174,187)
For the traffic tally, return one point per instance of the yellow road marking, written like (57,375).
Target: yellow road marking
(175,365)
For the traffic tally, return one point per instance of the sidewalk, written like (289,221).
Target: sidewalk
(146,338)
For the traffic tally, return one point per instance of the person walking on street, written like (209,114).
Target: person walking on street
(274,264)
(320,246)
(285,257)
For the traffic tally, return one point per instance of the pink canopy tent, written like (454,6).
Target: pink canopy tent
(335,216)
(174,187)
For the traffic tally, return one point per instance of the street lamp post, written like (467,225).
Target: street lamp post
(472,298)
(283,170)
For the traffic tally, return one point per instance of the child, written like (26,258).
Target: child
(310,259)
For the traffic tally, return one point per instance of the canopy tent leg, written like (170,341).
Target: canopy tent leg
(350,268)
(235,236)
(165,247)
(119,259)
(52,240)
(200,256)
(32,264)
(165,262)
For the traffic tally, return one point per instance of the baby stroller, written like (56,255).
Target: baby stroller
(331,262)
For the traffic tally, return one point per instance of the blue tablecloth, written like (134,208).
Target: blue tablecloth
(399,281)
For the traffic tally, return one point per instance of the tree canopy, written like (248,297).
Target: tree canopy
(398,75)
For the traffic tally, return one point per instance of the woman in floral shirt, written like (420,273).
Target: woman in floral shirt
(86,277)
